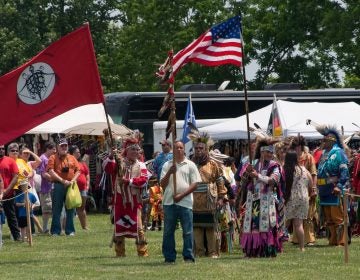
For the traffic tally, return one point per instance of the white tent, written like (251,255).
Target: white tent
(97,128)
(293,116)
(88,119)
(236,128)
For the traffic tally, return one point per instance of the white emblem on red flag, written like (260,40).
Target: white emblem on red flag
(36,83)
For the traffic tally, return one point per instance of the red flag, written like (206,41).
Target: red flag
(61,77)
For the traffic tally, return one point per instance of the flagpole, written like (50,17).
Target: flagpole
(346,236)
(246,96)
(173,135)
(118,173)
(108,125)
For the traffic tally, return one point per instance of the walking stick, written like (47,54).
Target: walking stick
(346,243)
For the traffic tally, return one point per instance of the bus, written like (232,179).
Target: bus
(139,110)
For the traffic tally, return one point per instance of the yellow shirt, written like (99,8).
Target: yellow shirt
(25,170)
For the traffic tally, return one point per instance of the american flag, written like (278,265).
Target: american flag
(218,46)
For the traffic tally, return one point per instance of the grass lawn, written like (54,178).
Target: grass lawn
(88,256)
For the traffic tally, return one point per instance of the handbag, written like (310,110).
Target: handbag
(34,192)
(73,197)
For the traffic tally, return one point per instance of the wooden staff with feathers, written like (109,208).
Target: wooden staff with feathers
(120,174)
(171,128)
(165,76)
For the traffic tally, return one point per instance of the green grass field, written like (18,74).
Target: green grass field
(88,256)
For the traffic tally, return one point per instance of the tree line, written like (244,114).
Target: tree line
(292,41)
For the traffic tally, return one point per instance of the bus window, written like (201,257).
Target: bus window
(146,127)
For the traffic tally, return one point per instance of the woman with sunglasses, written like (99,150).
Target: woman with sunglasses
(9,172)
(24,156)
(27,171)
(21,155)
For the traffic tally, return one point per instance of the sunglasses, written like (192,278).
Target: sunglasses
(14,151)
(2,148)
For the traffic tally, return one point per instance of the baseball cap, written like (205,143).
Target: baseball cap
(62,141)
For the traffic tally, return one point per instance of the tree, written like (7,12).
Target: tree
(22,40)
(352,81)
(149,29)
(341,34)
(291,40)
(284,40)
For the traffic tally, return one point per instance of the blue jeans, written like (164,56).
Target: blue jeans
(171,214)
(58,199)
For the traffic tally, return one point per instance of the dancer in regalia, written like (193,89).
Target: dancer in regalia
(131,177)
(260,236)
(332,181)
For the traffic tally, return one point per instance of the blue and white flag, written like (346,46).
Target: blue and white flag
(189,118)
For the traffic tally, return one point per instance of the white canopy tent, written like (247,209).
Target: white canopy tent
(293,116)
(236,128)
(97,128)
(88,119)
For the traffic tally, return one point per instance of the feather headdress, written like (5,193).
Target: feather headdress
(348,139)
(259,133)
(217,156)
(264,144)
(199,137)
(330,132)
(295,141)
(263,140)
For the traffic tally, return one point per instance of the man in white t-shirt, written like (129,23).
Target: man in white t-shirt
(178,205)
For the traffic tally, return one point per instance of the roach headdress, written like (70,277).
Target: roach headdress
(264,141)
(128,144)
(199,137)
(330,132)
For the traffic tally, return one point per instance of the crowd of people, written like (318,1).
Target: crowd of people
(281,188)
(281,191)
(45,180)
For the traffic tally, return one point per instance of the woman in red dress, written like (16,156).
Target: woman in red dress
(83,183)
